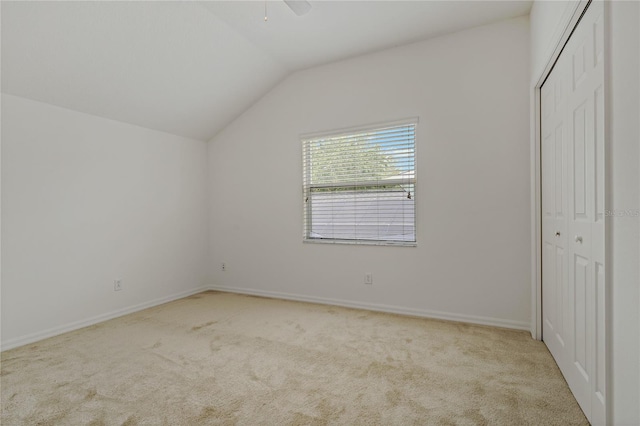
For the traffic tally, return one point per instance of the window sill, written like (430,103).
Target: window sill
(361,242)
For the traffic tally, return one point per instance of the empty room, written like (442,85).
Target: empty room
(310,212)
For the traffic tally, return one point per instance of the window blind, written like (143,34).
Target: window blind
(359,185)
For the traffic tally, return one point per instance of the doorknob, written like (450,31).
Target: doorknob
(557,234)
(578,239)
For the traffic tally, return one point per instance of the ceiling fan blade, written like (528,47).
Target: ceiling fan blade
(299,7)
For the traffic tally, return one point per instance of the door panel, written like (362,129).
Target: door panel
(561,292)
(559,169)
(580,348)
(580,183)
(600,334)
(579,68)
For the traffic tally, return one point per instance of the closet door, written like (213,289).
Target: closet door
(585,52)
(555,278)
(573,213)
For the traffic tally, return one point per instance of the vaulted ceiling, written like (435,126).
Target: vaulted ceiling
(189,68)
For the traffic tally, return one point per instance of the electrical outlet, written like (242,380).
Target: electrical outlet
(223,266)
(368,278)
(117,285)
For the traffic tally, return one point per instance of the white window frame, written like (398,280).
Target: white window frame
(307,187)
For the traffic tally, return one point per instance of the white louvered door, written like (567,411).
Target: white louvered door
(573,213)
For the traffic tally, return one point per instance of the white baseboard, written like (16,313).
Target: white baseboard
(425,313)
(34,337)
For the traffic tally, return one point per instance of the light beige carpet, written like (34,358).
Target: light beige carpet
(217,358)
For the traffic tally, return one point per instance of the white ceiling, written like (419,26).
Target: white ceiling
(189,68)
(336,30)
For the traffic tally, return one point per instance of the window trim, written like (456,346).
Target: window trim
(305,188)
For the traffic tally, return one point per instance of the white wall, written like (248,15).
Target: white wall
(624,137)
(470,91)
(548,20)
(86,200)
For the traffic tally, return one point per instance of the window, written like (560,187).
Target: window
(359,185)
